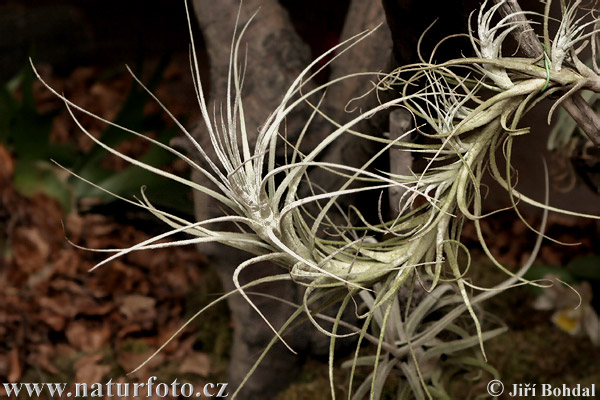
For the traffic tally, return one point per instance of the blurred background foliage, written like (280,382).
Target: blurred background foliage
(26,132)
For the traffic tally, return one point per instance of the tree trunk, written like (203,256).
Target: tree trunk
(275,56)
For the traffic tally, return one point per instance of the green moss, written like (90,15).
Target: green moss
(539,351)
(544,354)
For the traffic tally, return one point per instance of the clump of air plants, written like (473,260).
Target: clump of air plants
(470,107)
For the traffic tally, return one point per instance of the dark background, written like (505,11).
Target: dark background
(73,33)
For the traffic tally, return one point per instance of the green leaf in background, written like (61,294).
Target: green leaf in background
(537,272)
(23,129)
(8,107)
(26,133)
(30,130)
(131,116)
(33,177)
(129,181)
(585,268)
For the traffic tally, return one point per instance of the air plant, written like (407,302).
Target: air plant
(432,358)
(471,108)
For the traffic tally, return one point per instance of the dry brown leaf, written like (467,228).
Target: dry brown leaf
(56,322)
(74,226)
(184,348)
(88,307)
(15,366)
(114,279)
(108,99)
(177,278)
(45,213)
(168,311)
(41,355)
(87,369)
(87,337)
(97,225)
(40,276)
(63,350)
(30,249)
(166,332)
(151,259)
(7,168)
(128,329)
(61,304)
(96,309)
(138,308)
(4,364)
(67,285)
(67,262)
(129,361)
(551,256)
(196,363)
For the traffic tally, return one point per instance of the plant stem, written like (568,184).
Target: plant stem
(576,106)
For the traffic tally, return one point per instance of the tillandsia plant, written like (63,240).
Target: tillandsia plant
(407,271)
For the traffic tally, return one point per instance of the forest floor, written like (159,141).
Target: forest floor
(59,322)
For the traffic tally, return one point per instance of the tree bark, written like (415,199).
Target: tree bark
(275,56)
(576,106)
(401,122)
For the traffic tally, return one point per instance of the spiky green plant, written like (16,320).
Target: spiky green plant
(472,108)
